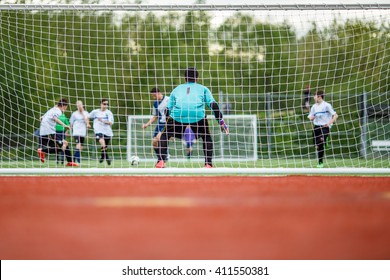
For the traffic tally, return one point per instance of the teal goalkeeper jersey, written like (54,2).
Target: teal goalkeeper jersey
(187,102)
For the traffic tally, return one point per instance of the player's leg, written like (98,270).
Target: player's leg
(68,155)
(155,140)
(162,149)
(59,138)
(100,140)
(48,146)
(62,145)
(202,130)
(103,149)
(156,137)
(162,143)
(325,135)
(107,140)
(77,154)
(189,150)
(43,147)
(189,137)
(172,129)
(65,150)
(48,143)
(319,142)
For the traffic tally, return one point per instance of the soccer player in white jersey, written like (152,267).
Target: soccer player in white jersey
(47,131)
(323,116)
(79,122)
(103,119)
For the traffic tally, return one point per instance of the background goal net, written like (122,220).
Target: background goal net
(256,60)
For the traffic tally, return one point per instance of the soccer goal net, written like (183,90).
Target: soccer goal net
(262,63)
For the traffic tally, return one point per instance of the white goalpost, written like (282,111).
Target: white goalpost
(262,63)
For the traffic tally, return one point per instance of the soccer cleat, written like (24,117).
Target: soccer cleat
(208,165)
(101,160)
(160,164)
(72,164)
(108,161)
(41,155)
(320,165)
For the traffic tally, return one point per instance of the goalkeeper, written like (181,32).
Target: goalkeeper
(187,106)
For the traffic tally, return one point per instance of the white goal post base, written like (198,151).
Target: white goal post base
(197,171)
(239,145)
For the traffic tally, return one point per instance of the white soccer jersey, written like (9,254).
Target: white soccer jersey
(79,124)
(48,124)
(323,113)
(98,117)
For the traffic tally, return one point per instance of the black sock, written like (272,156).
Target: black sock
(321,153)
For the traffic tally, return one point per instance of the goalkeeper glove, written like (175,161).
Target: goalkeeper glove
(224,127)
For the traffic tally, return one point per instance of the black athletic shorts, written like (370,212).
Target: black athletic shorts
(79,139)
(49,141)
(320,134)
(105,137)
(59,137)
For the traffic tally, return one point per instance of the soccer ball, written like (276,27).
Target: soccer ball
(134,160)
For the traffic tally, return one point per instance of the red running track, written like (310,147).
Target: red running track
(134,217)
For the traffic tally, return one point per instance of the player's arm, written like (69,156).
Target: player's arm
(333,120)
(210,101)
(91,116)
(67,130)
(86,119)
(107,122)
(167,112)
(152,120)
(57,120)
(311,115)
(87,122)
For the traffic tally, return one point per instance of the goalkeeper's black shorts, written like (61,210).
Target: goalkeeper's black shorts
(177,129)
